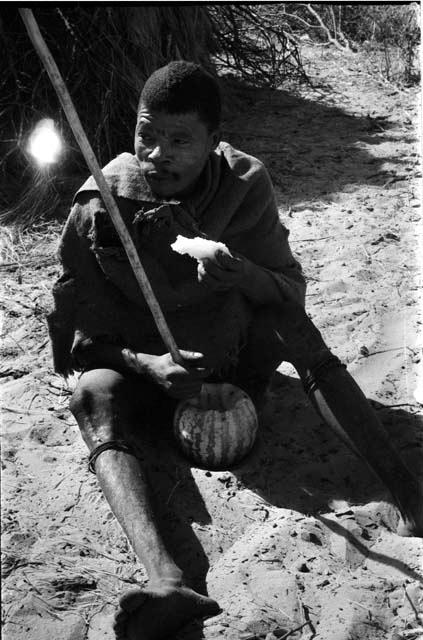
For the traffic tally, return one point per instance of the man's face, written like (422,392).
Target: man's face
(172,149)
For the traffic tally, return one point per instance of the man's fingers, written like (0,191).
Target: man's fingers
(197,373)
(192,368)
(222,283)
(218,278)
(227,261)
(210,268)
(191,355)
(194,363)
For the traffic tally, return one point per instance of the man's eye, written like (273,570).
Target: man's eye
(146,138)
(181,142)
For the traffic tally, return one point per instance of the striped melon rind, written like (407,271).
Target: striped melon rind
(216,438)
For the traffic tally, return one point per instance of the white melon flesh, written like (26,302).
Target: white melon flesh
(198,248)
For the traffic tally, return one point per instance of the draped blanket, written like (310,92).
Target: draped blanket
(97,296)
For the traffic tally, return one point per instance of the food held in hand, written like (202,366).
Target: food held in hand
(199,248)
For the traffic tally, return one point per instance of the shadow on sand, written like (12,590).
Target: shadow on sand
(311,149)
(296,464)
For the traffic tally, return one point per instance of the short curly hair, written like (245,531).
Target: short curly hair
(182,87)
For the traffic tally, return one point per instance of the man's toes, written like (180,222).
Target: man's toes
(131,600)
(120,634)
(210,606)
(128,603)
(120,624)
(121,618)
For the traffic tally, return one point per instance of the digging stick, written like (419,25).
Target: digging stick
(91,160)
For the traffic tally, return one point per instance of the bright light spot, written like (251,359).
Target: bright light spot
(45,144)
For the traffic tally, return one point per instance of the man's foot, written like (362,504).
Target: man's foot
(411,522)
(155,614)
(412,526)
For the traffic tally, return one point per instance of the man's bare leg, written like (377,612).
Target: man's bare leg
(101,407)
(344,408)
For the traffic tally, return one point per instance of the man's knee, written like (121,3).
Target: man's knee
(287,333)
(96,388)
(102,406)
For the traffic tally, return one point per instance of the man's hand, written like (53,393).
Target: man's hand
(224,272)
(180,382)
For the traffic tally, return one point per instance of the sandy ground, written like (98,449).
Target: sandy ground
(301,535)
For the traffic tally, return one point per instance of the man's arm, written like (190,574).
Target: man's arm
(85,304)
(258,284)
(93,353)
(263,266)
(179,382)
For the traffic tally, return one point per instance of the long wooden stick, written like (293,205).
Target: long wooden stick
(91,160)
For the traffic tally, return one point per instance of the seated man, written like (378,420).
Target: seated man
(236,318)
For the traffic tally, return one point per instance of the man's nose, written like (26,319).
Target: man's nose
(160,152)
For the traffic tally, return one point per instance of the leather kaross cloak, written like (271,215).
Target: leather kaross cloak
(97,296)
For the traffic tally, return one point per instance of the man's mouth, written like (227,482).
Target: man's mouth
(161,176)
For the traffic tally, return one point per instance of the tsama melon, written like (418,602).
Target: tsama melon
(217,428)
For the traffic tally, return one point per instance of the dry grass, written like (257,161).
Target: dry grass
(23,247)
(105,54)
